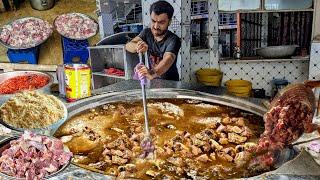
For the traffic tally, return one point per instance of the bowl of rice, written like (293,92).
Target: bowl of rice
(33,110)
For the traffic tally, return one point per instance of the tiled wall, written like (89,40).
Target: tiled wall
(199,59)
(208,58)
(259,73)
(262,73)
(213,33)
(314,69)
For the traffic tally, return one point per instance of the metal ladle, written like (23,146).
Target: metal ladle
(146,143)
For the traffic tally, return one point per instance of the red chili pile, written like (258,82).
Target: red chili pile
(25,82)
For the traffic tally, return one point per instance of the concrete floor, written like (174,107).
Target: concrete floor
(51,50)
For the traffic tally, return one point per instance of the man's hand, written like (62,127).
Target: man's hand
(143,71)
(142,47)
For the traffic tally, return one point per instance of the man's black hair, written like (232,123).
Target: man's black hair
(161,7)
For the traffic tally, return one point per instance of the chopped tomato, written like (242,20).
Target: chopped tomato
(26,82)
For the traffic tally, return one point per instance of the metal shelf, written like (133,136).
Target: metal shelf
(199,16)
(257,60)
(267,11)
(108,75)
(228,27)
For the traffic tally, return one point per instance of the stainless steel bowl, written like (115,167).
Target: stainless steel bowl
(82,15)
(13,47)
(5,144)
(48,131)
(276,51)
(8,75)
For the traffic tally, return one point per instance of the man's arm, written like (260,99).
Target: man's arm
(159,69)
(165,63)
(133,44)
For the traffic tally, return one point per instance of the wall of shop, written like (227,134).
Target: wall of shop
(314,68)
(261,73)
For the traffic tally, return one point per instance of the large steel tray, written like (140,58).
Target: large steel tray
(22,19)
(83,16)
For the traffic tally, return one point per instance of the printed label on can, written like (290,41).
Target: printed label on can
(78,81)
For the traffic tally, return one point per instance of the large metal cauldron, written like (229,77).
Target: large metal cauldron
(135,95)
(163,93)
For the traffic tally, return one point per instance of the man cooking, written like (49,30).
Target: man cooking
(161,44)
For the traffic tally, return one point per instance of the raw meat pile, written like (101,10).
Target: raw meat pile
(75,26)
(25,33)
(290,115)
(33,157)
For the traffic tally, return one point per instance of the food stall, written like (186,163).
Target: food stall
(198,130)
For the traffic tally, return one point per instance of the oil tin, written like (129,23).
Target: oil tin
(78,81)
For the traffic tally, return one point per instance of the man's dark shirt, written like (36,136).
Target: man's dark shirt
(156,49)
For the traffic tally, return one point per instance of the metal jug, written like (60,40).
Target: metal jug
(42,4)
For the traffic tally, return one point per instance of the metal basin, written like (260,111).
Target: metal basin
(5,144)
(32,46)
(163,93)
(166,93)
(8,75)
(276,51)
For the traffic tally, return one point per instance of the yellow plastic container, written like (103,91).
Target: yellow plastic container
(209,77)
(237,87)
(238,82)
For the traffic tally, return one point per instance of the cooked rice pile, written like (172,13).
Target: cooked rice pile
(32,110)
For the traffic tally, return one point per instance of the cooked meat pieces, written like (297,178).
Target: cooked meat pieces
(32,110)
(168,108)
(242,158)
(33,156)
(75,26)
(182,145)
(235,138)
(26,32)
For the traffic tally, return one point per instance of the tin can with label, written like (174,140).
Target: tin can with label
(78,81)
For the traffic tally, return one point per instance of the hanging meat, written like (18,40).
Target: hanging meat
(25,33)
(75,26)
(290,115)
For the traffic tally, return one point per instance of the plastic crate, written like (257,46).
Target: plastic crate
(136,28)
(30,55)
(75,49)
(125,28)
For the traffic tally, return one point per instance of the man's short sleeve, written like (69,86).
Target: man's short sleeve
(143,34)
(174,45)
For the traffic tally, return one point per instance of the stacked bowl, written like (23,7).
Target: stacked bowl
(237,87)
(209,77)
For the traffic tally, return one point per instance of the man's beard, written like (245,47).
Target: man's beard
(159,32)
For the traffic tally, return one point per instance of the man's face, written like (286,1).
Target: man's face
(159,24)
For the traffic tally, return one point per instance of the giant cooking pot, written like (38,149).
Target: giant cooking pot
(164,93)
(135,95)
